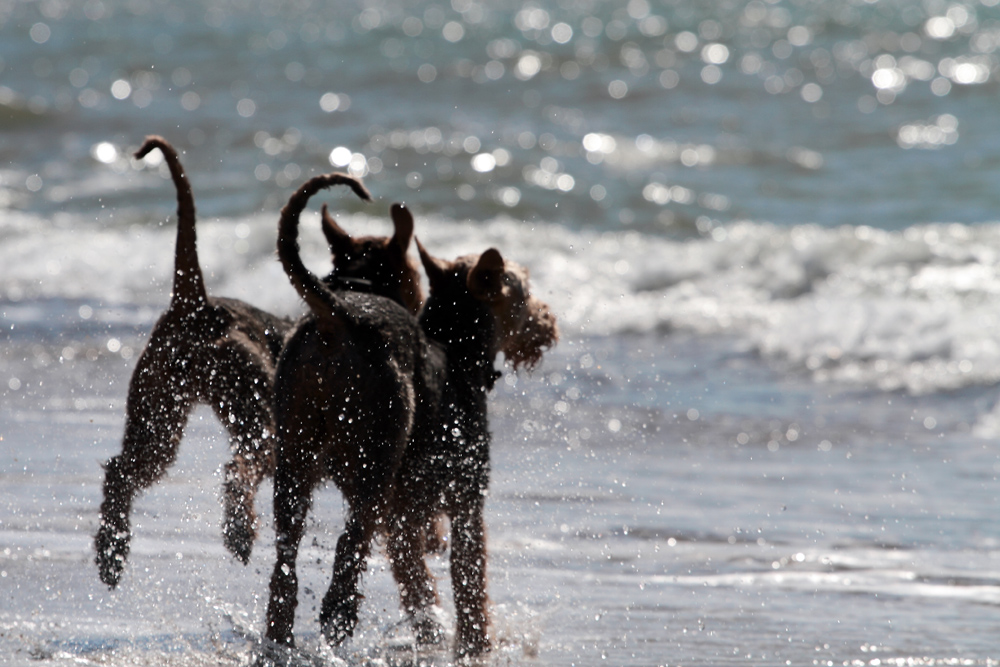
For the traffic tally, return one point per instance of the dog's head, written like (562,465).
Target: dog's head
(523,327)
(380,261)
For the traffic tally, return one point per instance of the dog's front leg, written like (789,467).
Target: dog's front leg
(468,576)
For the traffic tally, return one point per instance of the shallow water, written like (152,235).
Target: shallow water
(781,521)
(768,231)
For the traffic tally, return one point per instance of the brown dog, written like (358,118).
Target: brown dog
(397,418)
(222,352)
(479,306)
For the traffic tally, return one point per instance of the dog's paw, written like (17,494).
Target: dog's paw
(238,535)
(473,645)
(112,551)
(427,628)
(338,618)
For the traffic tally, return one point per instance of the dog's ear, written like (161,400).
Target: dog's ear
(402,221)
(485,281)
(436,269)
(340,242)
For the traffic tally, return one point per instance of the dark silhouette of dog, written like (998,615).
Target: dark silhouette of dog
(222,352)
(394,411)
(479,306)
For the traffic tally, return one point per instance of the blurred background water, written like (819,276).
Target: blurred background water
(768,230)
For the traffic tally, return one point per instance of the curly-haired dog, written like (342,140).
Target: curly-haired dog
(397,418)
(222,352)
(479,306)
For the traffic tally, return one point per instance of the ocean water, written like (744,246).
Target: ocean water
(769,231)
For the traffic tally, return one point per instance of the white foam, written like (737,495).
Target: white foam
(914,310)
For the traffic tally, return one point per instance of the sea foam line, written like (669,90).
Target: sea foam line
(915,310)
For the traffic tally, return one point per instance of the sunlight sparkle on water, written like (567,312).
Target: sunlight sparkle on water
(104,152)
(687,183)
(484,162)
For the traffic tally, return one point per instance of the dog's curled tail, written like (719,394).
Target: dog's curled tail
(189,284)
(319,299)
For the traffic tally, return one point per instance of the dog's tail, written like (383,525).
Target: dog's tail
(189,284)
(316,295)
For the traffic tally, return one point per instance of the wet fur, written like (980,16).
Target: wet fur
(346,391)
(394,411)
(479,306)
(223,353)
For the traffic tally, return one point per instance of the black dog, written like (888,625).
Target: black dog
(397,419)
(479,306)
(223,353)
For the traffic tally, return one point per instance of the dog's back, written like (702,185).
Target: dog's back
(355,355)
(340,370)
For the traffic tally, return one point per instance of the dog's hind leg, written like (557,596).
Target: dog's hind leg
(157,409)
(293,488)
(368,484)
(243,407)
(339,613)
(251,461)
(406,548)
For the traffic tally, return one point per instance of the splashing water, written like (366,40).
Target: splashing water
(768,230)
